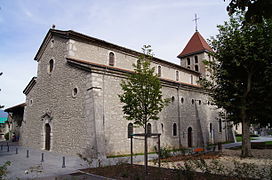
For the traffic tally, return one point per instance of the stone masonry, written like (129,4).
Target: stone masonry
(78,98)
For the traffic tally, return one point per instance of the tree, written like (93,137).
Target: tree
(142,96)
(256,10)
(241,78)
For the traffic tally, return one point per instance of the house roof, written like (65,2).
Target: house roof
(196,44)
(16,107)
(82,37)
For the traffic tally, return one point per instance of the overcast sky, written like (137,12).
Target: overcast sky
(165,25)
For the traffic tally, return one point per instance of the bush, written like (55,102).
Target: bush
(4,169)
(165,152)
(6,136)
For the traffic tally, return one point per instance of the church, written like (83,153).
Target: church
(72,105)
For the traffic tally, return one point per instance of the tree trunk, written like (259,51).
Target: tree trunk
(145,149)
(246,145)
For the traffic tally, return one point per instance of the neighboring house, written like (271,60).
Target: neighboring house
(72,106)
(15,120)
(4,127)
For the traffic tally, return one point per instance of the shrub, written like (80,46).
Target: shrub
(6,136)
(165,152)
(4,169)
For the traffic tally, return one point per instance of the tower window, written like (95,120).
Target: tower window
(159,71)
(174,129)
(196,59)
(177,76)
(196,67)
(188,61)
(111,59)
(193,101)
(51,66)
(182,100)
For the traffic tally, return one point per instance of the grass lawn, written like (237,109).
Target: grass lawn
(239,138)
(268,143)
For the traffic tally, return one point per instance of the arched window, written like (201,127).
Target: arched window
(174,129)
(188,61)
(193,101)
(196,59)
(182,100)
(130,130)
(111,59)
(162,127)
(211,128)
(196,67)
(51,65)
(159,71)
(173,98)
(220,125)
(148,128)
(177,76)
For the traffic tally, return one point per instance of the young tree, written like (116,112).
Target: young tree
(142,96)
(241,80)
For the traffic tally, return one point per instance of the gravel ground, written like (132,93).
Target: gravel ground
(257,153)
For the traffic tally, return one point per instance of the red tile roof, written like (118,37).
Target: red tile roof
(196,44)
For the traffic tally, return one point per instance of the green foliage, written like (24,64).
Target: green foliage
(256,10)
(4,169)
(242,75)
(165,152)
(142,96)
(7,136)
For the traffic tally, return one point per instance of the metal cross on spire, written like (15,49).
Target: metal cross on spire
(196,18)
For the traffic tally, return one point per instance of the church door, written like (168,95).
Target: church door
(47,136)
(190,138)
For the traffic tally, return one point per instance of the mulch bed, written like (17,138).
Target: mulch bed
(136,172)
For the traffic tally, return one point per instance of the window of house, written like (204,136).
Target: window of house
(159,71)
(148,128)
(177,76)
(111,59)
(174,129)
(173,98)
(199,102)
(220,125)
(51,66)
(196,59)
(188,61)
(162,127)
(182,100)
(130,130)
(193,101)
(196,67)
(30,102)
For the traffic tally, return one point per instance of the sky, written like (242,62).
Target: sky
(165,25)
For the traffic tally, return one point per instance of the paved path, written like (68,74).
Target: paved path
(258,139)
(52,165)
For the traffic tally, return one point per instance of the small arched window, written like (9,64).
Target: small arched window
(162,127)
(211,128)
(173,98)
(111,59)
(51,65)
(177,76)
(188,61)
(182,100)
(174,129)
(130,130)
(159,71)
(196,59)
(193,101)
(220,125)
(148,128)
(196,67)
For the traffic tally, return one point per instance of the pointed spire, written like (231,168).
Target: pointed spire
(196,44)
